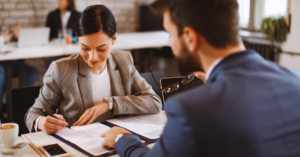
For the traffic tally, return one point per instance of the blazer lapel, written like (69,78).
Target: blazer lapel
(117,87)
(71,19)
(85,83)
(58,19)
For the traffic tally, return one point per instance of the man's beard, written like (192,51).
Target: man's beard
(186,62)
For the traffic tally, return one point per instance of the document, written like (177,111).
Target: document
(86,137)
(149,126)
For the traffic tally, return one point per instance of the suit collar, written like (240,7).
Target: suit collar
(72,17)
(117,86)
(111,62)
(83,67)
(114,73)
(234,60)
(85,83)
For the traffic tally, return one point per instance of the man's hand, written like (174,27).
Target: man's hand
(52,125)
(110,136)
(92,113)
(200,75)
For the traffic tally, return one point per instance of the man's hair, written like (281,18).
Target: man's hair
(216,20)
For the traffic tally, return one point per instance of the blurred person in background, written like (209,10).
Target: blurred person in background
(65,16)
(32,74)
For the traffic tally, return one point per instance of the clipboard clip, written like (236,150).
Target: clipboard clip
(112,152)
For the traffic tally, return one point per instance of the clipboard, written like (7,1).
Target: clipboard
(112,152)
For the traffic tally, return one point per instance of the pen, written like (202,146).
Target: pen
(47,114)
(51,115)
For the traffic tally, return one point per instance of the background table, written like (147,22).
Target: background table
(125,41)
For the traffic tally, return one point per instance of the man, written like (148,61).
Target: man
(249,107)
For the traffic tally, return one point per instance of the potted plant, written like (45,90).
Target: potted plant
(276,31)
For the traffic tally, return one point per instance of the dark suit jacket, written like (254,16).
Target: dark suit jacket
(249,107)
(54,22)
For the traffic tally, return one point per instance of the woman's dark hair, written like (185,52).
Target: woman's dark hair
(94,19)
(71,5)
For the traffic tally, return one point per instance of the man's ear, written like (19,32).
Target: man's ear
(191,39)
(114,39)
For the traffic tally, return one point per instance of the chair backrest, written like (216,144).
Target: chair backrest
(157,75)
(22,100)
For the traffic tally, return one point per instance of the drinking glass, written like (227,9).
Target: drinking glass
(68,35)
(60,35)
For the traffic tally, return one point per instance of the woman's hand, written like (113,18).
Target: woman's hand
(52,125)
(92,113)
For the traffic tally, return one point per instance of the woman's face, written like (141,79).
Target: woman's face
(62,4)
(95,49)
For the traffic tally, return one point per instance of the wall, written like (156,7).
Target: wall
(13,12)
(293,40)
(293,43)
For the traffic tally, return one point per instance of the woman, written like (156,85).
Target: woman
(63,17)
(94,85)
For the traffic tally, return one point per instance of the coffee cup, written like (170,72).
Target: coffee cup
(9,134)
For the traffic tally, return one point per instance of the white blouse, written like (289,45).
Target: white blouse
(100,86)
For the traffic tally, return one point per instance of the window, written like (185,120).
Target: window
(244,11)
(253,11)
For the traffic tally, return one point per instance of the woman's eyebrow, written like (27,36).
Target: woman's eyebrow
(83,45)
(102,45)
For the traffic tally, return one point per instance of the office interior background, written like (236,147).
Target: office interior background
(134,16)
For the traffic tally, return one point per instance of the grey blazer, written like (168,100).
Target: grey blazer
(67,89)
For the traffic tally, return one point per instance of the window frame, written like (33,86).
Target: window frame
(253,16)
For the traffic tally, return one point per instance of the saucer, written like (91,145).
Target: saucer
(4,150)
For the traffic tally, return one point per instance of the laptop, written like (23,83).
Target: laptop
(30,37)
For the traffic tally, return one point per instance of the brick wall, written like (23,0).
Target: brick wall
(13,12)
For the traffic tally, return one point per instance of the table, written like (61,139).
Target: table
(125,41)
(44,139)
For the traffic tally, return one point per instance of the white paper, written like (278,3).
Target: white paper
(150,126)
(87,137)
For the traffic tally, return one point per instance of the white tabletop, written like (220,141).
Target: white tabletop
(38,139)
(125,41)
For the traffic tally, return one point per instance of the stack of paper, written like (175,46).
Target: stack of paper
(87,137)
(150,126)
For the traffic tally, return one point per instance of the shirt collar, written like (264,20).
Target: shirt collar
(211,68)
(66,15)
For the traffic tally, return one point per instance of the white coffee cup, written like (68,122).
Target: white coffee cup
(9,137)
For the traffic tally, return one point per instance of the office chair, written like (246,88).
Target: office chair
(22,100)
(157,75)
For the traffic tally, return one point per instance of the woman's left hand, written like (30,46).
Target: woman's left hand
(92,113)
